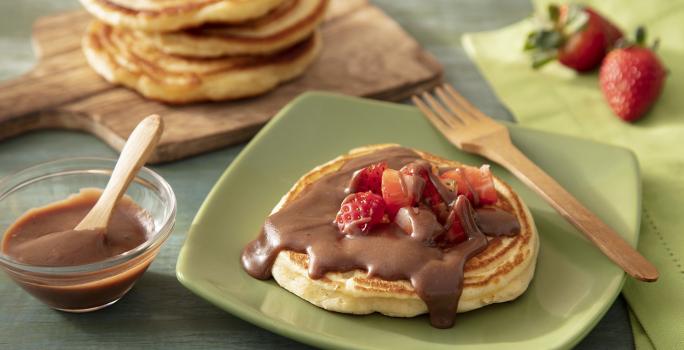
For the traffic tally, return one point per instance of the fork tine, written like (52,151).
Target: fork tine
(449,118)
(453,106)
(463,102)
(434,119)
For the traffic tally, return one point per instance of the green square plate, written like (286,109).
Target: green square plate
(573,287)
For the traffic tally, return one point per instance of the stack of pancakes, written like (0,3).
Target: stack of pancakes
(181,51)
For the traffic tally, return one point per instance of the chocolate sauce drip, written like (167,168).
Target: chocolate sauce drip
(419,222)
(414,185)
(496,222)
(447,196)
(305,225)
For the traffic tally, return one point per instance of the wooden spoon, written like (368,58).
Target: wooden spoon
(134,154)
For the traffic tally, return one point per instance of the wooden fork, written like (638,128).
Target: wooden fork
(472,131)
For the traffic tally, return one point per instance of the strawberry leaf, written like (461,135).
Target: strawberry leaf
(543,40)
(554,12)
(640,36)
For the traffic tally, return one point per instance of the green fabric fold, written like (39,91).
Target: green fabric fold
(556,99)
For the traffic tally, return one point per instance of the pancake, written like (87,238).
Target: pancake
(119,56)
(169,15)
(293,21)
(500,273)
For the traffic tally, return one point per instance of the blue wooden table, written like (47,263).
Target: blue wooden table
(159,312)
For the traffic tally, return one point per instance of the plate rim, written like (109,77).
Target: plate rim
(233,305)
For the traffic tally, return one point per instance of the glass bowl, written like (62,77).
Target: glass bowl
(89,287)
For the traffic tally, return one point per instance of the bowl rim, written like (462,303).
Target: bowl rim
(158,237)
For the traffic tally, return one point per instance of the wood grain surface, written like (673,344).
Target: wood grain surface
(365,53)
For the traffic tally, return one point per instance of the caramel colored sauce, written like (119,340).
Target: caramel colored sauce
(45,237)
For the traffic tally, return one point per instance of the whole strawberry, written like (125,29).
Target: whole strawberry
(576,35)
(632,78)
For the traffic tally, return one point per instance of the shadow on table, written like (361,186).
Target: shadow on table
(159,310)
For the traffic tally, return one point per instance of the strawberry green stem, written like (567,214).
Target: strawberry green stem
(640,36)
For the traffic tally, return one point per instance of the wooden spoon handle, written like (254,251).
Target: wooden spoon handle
(137,149)
(607,240)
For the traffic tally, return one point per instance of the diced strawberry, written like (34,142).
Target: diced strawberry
(414,187)
(454,180)
(466,180)
(394,192)
(368,179)
(454,228)
(359,212)
(483,183)
(430,195)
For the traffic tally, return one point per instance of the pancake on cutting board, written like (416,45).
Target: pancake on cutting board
(281,28)
(169,15)
(121,57)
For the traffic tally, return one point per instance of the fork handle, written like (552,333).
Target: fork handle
(607,240)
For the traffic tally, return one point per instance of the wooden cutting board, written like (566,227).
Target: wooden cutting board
(365,53)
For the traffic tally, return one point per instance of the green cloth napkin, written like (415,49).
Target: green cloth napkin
(556,99)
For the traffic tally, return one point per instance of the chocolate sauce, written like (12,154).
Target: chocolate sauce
(496,222)
(420,223)
(390,252)
(46,237)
